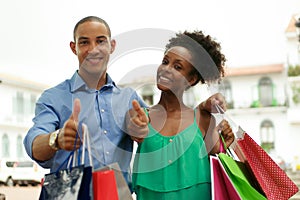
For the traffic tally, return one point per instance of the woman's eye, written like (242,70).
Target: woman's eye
(177,67)
(164,61)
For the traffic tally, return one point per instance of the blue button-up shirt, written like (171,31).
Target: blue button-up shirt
(103,111)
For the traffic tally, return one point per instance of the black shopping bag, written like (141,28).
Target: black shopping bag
(72,183)
(65,184)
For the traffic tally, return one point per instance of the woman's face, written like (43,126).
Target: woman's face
(174,73)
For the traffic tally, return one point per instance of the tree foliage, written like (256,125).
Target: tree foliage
(294,70)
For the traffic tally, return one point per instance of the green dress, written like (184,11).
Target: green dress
(172,167)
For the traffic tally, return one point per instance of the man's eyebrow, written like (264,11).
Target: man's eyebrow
(98,37)
(83,38)
(101,36)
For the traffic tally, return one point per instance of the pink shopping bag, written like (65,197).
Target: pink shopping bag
(222,187)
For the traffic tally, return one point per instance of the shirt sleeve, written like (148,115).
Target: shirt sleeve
(45,121)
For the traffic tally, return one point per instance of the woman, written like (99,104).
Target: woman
(172,161)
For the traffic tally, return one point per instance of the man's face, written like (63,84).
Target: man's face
(93,47)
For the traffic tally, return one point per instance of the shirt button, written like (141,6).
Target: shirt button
(170,161)
(170,140)
(107,152)
(102,110)
(105,131)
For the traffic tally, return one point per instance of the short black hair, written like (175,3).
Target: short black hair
(91,19)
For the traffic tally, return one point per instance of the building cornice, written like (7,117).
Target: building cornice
(11,80)
(255,70)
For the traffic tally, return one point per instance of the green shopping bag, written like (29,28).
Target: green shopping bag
(244,182)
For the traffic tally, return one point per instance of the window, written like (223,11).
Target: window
(267,135)
(147,94)
(5,146)
(265,91)
(32,103)
(19,146)
(29,106)
(225,89)
(18,104)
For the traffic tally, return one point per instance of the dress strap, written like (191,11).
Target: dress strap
(195,118)
(146,111)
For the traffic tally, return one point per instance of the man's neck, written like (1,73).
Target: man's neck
(95,81)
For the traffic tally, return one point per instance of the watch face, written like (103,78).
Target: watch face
(52,140)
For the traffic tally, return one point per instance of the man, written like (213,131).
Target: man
(92,93)
(90,96)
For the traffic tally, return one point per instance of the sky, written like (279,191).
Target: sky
(35,34)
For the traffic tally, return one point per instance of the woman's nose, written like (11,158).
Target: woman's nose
(167,67)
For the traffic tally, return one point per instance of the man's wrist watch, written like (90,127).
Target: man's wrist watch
(53,140)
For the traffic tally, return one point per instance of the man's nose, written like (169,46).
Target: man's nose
(94,47)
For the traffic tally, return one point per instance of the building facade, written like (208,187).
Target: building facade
(17,104)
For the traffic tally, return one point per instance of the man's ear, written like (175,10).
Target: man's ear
(113,45)
(73,47)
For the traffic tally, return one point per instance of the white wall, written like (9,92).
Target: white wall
(11,124)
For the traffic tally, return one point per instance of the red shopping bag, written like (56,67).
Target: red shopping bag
(222,187)
(272,179)
(104,185)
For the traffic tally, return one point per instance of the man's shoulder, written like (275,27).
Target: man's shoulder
(126,92)
(65,85)
(126,89)
(63,88)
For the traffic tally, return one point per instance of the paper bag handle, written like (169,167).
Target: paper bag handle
(86,142)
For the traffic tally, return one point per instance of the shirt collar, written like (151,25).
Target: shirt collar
(77,83)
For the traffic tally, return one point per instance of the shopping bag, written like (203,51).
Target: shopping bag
(221,186)
(231,178)
(104,185)
(122,189)
(241,178)
(272,179)
(64,184)
(71,183)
